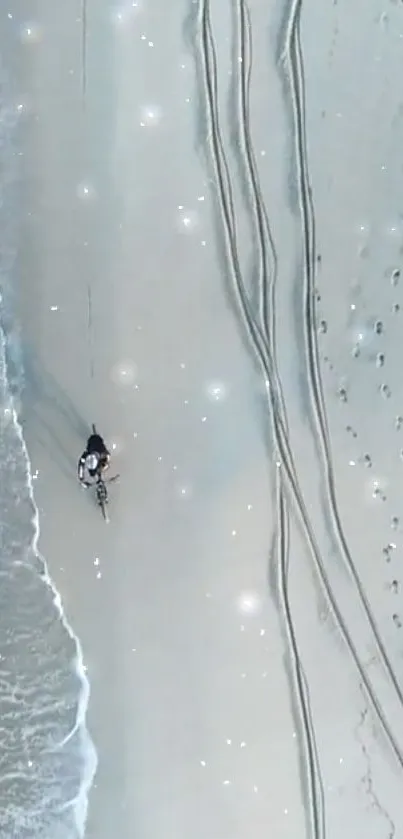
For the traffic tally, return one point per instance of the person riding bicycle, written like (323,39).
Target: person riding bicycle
(94,460)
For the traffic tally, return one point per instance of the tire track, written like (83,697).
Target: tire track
(268,261)
(293,55)
(316,807)
(267,275)
(207,60)
(84,20)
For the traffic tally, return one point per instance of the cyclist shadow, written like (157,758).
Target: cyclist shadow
(54,421)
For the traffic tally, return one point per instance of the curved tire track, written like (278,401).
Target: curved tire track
(267,273)
(293,55)
(208,63)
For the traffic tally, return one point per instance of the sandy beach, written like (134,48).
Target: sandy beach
(240,615)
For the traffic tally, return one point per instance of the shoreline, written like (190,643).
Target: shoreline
(150,513)
(44,731)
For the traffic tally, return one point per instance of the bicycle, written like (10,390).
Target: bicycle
(103,463)
(101,492)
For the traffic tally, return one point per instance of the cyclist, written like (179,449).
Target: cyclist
(94,460)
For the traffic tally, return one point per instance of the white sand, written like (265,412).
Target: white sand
(190,708)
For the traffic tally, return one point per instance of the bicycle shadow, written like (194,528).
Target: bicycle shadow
(52,416)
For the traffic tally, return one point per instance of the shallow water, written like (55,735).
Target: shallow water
(47,759)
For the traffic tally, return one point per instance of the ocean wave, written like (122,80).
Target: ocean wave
(47,758)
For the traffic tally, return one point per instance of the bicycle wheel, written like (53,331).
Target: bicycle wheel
(102,498)
(104,511)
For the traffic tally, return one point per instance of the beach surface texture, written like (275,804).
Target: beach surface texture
(201,238)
